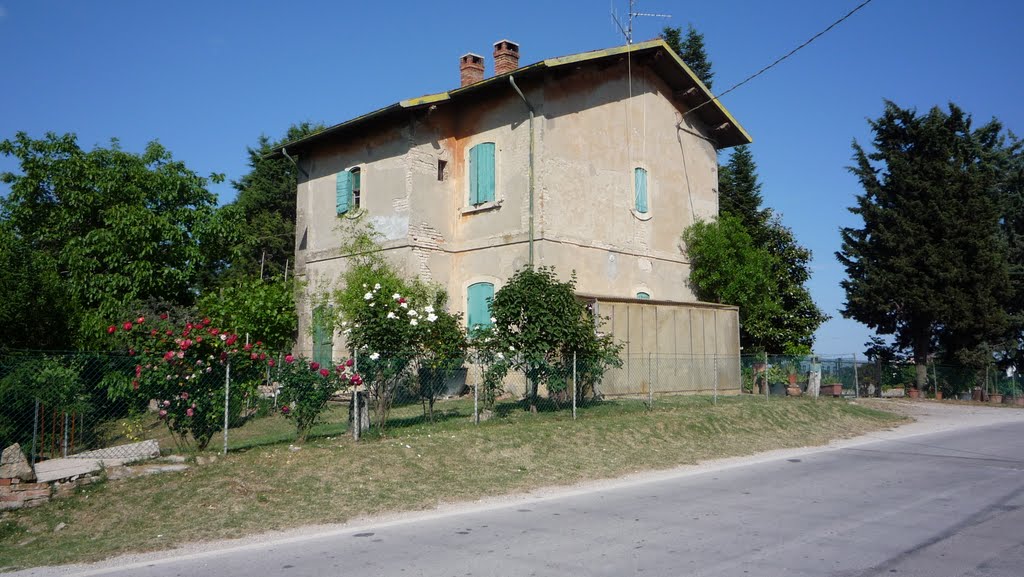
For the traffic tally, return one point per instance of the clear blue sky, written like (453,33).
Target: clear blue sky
(207,78)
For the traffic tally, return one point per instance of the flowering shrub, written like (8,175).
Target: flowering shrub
(395,335)
(306,387)
(183,367)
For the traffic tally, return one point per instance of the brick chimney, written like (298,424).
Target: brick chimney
(506,56)
(471,68)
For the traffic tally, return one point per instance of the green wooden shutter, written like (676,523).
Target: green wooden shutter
(478,305)
(640,184)
(344,192)
(481,173)
(323,337)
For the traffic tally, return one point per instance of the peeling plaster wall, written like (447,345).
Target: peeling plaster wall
(584,189)
(594,136)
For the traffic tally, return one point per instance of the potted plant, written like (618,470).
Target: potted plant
(793,388)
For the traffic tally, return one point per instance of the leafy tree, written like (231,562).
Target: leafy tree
(929,265)
(691,50)
(726,267)
(118,226)
(255,306)
(786,314)
(259,225)
(32,311)
(538,325)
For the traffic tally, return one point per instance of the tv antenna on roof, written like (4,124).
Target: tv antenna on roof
(627,30)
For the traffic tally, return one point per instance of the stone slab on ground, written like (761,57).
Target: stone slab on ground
(56,469)
(125,453)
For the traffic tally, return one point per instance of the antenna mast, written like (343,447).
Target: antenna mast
(627,31)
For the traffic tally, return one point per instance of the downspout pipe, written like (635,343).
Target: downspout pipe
(284,151)
(529,107)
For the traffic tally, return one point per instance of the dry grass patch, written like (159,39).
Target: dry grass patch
(331,479)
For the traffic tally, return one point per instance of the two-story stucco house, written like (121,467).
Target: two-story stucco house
(592,163)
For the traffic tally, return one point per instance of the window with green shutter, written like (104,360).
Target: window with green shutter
(643,296)
(478,304)
(343,198)
(481,173)
(323,336)
(640,188)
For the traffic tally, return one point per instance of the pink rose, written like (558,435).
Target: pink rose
(152,333)
(140,320)
(254,356)
(167,403)
(111,329)
(184,395)
(135,384)
(324,372)
(189,412)
(289,359)
(247,347)
(127,326)
(270,362)
(214,331)
(263,356)
(163,414)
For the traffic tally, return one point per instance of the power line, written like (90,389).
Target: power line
(777,61)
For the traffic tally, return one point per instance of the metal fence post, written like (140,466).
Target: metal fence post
(574,385)
(35,431)
(357,418)
(715,401)
(64,447)
(650,382)
(476,403)
(856,381)
(227,389)
(767,385)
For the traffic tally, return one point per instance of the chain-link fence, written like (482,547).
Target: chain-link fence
(88,405)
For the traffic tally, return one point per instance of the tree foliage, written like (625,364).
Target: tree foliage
(254,306)
(259,225)
(116,226)
(784,316)
(691,50)
(538,326)
(929,265)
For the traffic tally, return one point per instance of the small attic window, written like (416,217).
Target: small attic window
(442,169)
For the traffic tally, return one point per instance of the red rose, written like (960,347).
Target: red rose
(163,316)
(152,333)
(254,356)
(140,320)
(285,409)
(199,339)
(131,352)
(259,343)
(247,347)
(188,326)
(270,363)
(324,372)
(206,321)
(214,331)
(135,384)
(348,363)
(111,329)
(169,332)
(263,356)
(231,340)
(127,326)
(314,366)
(289,359)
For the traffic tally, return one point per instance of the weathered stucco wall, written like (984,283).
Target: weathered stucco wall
(589,135)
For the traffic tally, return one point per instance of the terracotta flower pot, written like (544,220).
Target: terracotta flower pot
(793,391)
(995,398)
(938,395)
(914,393)
(792,380)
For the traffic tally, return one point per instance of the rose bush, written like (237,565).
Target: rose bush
(182,366)
(306,387)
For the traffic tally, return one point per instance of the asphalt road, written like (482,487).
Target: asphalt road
(946,504)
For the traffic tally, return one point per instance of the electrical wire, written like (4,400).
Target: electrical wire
(779,60)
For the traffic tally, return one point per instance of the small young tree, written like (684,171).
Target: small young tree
(538,324)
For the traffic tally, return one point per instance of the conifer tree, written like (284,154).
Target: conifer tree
(691,50)
(930,263)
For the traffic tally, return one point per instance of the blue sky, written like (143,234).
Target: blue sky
(207,78)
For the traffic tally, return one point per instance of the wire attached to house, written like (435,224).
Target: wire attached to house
(779,60)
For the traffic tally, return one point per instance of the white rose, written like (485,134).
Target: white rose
(374,356)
